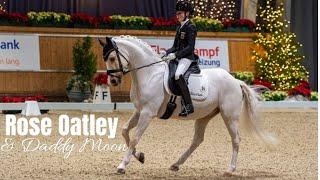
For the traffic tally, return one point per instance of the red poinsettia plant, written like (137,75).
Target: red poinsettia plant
(302,89)
(162,23)
(263,83)
(13,17)
(7,99)
(84,19)
(243,23)
(105,22)
(101,79)
(105,19)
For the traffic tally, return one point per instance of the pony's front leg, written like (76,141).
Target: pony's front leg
(132,122)
(144,121)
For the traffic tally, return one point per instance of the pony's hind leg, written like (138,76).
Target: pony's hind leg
(232,122)
(199,129)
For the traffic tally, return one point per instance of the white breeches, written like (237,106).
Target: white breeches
(183,66)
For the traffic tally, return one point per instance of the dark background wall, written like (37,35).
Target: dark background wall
(151,8)
(304,22)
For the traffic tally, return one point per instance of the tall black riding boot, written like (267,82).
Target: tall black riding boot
(188,107)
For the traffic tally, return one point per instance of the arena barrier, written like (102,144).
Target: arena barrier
(130,106)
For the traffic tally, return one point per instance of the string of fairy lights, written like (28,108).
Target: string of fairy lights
(2,6)
(216,9)
(279,61)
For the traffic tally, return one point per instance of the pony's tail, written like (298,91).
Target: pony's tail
(251,120)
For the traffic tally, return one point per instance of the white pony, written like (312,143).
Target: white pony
(225,95)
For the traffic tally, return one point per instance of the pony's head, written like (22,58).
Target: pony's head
(113,60)
(140,54)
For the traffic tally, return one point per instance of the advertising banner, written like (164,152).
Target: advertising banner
(19,53)
(212,53)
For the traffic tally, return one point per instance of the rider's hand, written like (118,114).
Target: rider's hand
(171,56)
(162,53)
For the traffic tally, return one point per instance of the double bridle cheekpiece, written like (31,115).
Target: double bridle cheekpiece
(107,49)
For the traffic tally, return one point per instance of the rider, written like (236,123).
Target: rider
(183,51)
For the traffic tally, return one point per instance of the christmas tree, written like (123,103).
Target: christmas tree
(276,51)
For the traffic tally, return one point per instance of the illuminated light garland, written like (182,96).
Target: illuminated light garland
(2,7)
(218,9)
(279,61)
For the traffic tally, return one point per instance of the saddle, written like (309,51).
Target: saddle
(174,87)
(173,65)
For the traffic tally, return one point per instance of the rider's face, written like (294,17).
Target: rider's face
(181,15)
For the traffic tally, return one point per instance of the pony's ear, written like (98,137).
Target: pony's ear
(108,40)
(101,42)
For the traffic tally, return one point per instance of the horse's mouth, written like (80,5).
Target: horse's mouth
(114,83)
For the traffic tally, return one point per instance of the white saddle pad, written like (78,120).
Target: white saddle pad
(198,85)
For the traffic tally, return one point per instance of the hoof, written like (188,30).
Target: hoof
(174,168)
(228,174)
(141,158)
(121,171)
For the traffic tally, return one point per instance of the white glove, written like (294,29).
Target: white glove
(169,57)
(162,53)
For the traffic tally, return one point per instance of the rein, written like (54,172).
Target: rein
(121,69)
(135,69)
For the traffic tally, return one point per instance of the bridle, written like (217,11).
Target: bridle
(115,48)
(124,71)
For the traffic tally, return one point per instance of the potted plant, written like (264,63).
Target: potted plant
(314,96)
(105,22)
(13,19)
(85,66)
(49,19)
(82,20)
(207,24)
(274,95)
(239,25)
(132,22)
(302,92)
(245,76)
(163,24)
